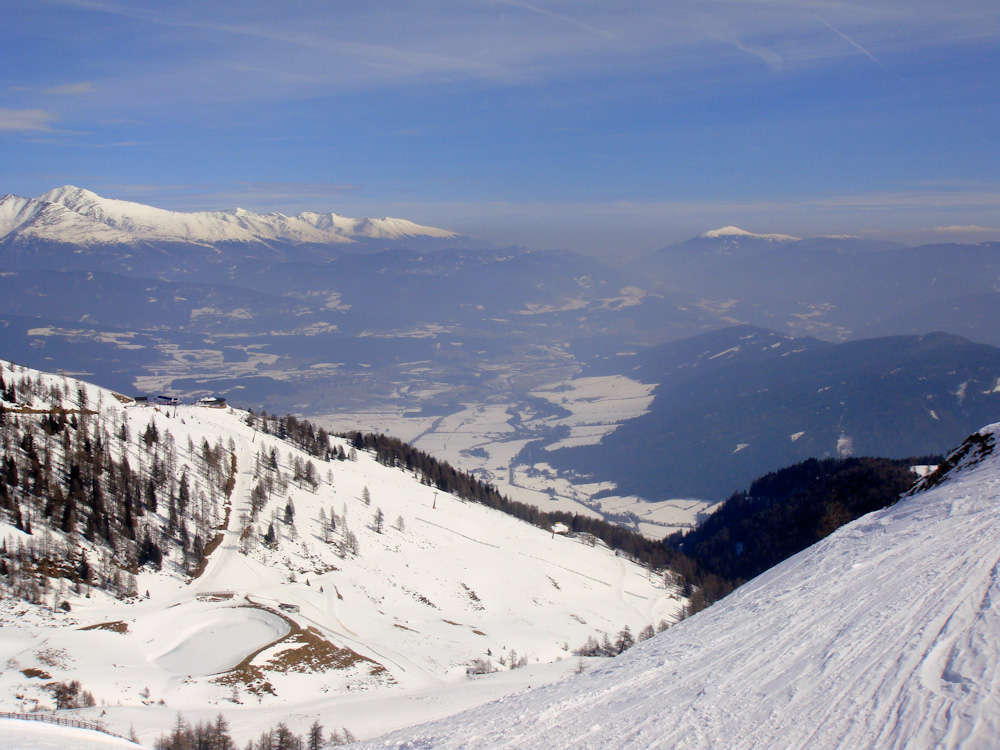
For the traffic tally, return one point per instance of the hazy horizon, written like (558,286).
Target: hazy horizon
(610,129)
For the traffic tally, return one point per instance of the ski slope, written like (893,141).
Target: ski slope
(884,635)
(373,641)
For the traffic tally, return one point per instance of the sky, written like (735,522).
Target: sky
(613,128)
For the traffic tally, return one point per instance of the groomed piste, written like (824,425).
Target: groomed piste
(884,635)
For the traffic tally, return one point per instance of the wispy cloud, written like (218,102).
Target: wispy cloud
(26,120)
(968,229)
(606,33)
(72,89)
(511,40)
(117,144)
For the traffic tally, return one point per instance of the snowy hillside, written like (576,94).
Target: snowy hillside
(305,585)
(884,635)
(77,216)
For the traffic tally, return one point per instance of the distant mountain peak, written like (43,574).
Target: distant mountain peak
(67,193)
(731,231)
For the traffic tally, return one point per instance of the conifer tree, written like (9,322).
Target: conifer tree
(315,737)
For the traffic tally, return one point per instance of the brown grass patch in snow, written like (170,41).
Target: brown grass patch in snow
(309,652)
(306,652)
(116,626)
(54,657)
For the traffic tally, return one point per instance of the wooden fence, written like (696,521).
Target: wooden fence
(61,721)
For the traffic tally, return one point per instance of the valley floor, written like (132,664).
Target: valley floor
(489,441)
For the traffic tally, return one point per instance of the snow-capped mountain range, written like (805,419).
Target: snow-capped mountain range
(883,635)
(72,215)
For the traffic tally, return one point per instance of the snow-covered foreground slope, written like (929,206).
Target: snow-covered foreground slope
(31,735)
(375,638)
(884,635)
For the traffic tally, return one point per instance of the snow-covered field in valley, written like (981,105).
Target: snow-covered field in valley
(486,439)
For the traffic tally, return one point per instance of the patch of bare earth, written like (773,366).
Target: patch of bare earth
(309,652)
(300,651)
(39,673)
(116,626)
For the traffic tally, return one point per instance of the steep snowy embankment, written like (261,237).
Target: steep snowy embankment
(884,635)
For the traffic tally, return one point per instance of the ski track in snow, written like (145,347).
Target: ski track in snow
(883,635)
(456,533)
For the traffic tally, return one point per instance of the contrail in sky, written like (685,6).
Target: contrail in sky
(853,43)
(567,19)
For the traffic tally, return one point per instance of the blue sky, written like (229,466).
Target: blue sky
(609,127)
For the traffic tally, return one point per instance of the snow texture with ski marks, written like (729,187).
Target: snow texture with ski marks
(884,635)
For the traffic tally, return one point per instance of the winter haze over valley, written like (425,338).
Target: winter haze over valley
(532,369)
(499,374)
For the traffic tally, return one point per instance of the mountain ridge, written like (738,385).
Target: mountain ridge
(86,218)
(731,231)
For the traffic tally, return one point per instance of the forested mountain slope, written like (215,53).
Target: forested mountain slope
(784,512)
(734,404)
